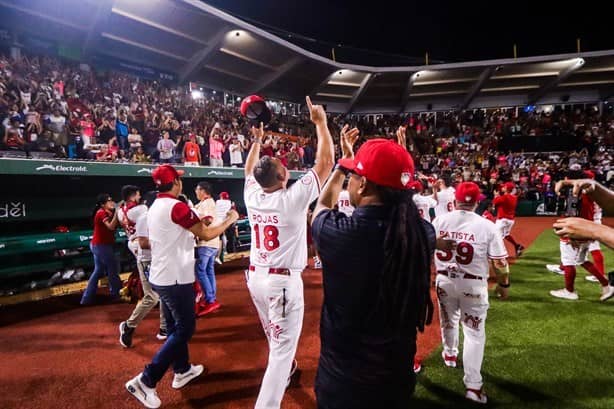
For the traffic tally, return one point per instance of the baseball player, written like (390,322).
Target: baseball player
(278,221)
(575,253)
(343,202)
(462,283)
(129,211)
(506,211)
(593,248)
(423,203)
(443,193)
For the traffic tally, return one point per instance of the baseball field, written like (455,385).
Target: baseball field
(541,352)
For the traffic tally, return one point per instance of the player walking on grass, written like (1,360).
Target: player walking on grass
(506,211)
(278,221)
(462,283)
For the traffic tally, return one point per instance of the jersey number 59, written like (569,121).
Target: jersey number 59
(464,253)
(270,235)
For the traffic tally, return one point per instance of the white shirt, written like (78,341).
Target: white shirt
(222,207)
(278,222)
(477,241)
(133,214)
(343,203)
(445,201)
(143,255)
(235,154)
(424,204)
(172,246)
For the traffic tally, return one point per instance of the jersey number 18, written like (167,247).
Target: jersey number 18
(271,237)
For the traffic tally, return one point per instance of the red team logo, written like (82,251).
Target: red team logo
(472,321)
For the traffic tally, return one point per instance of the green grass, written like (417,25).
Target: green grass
(541,352)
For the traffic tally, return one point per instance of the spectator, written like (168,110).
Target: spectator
(121,130)
(236,153)
(191,152)
(134,139)
(166,147)
(216,149)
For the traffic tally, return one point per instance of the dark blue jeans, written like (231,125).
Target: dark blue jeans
(205,271)
(177,302)
(105,264)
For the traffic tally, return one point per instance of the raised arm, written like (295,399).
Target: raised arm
(204,232)
(325,151)
(333,186)
(254,152)
(603,196)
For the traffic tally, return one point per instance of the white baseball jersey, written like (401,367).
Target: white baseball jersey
(143,255)
(278,222)
(424,204)
(477,240)
(343,203)
(445,201)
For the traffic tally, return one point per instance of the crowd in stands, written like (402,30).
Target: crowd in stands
(73,111)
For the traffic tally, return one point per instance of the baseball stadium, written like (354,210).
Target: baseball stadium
(209,204)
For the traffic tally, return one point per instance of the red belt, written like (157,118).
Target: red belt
(280,271)
(460,275)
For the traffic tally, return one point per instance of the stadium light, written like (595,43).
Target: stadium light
(197,94)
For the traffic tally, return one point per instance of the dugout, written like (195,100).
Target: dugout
(46,214)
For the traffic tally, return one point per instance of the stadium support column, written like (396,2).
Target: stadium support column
(200,56)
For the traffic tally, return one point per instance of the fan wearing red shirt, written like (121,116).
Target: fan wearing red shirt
(191,152)
(105,261)
(506,211)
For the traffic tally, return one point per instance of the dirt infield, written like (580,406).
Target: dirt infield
(56,354)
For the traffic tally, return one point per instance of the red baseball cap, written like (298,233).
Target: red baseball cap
(509,186)
(224,196)
(255,108)
(589,174)
(165,174)
(382,162)
(417,186)
(467,192)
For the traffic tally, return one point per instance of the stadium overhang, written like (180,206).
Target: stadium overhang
(193,41)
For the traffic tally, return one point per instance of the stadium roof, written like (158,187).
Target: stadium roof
(197,42)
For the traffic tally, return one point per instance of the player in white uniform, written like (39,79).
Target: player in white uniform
(423,203)
(127,214)
(462,283)
(278,220)
(343,203)
(443,193)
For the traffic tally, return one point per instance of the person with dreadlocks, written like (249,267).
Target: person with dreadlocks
(376,268)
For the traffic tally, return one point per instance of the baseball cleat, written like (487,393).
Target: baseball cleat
(592,279)
(147,396)
(607,292)
(555,268)
(519,250)
(417,366)
(317,263)
(181,379)
(563,293)
(448,360)
(125,334)
(476,395)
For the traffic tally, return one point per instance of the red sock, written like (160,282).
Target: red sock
(594,271)
(511,240)
(570,277)
(598,260)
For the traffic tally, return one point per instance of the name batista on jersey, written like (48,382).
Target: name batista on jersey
(457,235)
